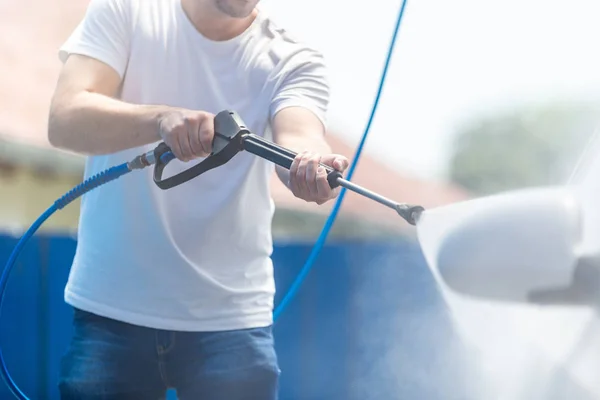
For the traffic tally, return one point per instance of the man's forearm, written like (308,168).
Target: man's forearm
(297,144)
(92,123)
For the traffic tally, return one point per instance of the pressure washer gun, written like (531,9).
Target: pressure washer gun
(231,137)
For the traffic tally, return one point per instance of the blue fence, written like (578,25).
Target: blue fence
(367,324)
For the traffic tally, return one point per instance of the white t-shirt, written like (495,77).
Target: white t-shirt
(196,257)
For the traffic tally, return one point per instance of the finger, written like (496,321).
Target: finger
(173,144)
(312,164)
(293,183)
(340,163)
(207,134)
(166,133)
(324,191)
(184,143)
(301,175)
(193,125)
(172,140)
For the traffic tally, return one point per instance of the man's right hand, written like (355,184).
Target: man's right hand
(189,134)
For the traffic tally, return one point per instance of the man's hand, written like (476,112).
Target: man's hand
(189,134)
(297,129)
(308,180)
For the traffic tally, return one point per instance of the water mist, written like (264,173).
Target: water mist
(520,273)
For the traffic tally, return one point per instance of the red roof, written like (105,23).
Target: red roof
(28,50)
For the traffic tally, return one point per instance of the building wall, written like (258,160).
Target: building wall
(27,193)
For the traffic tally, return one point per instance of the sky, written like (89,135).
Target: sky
(454,61)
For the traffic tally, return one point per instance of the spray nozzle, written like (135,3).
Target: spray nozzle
(410,213)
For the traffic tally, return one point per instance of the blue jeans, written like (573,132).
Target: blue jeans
(108,359)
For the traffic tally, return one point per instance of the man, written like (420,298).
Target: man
(175,288)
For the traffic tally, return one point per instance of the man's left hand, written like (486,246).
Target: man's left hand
(308,180)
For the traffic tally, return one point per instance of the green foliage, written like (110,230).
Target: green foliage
(523,148)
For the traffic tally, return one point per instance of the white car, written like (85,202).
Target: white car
(520,272)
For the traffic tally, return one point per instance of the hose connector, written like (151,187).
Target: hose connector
(142,161)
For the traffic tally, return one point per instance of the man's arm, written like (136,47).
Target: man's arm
(298,122)
(85,114)
(85,117)
(299,130)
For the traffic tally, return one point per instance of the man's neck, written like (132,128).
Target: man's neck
(213,24)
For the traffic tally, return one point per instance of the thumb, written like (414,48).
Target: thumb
(338,162)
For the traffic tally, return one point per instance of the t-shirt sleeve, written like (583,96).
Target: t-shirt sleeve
(103,34)
(304,84)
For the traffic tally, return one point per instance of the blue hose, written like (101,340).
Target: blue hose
(120,170)
(84,187)
(336,208)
